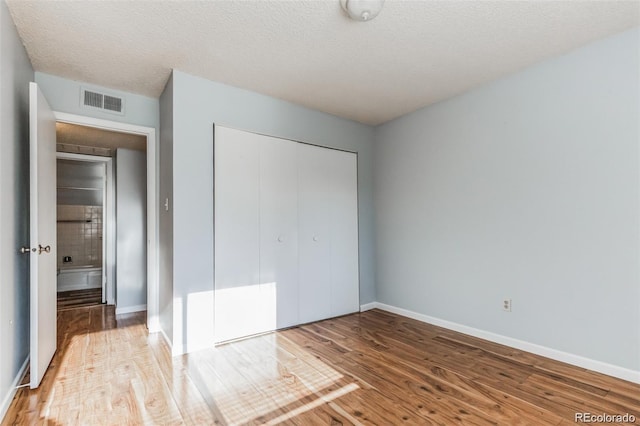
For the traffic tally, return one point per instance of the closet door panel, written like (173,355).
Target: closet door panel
(238,298)
(345,296)
(314,233)
(279,230)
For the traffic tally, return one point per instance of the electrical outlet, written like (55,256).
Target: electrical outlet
(506,305)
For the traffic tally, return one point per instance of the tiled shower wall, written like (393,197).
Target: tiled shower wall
(80,235)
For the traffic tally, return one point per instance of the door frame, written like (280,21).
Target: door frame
(108,221)
(153,320)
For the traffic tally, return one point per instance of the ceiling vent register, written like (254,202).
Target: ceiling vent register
(107,103)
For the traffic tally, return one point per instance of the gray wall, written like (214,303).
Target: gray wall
(131,229)
(15,74)
(64,96)
(198,104)
(526,188)
(165,220)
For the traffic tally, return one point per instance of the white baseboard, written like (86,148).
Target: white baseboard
(368,306)
(182,349)
(166,339)
(6,402)
(130,309)
(177,350)
(153,325)
(569,358)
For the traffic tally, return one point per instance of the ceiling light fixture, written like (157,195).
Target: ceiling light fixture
(362,10)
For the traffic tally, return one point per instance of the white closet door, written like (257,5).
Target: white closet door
(345,297)
(240,309)
(279,229)
(286,233)
(314,227)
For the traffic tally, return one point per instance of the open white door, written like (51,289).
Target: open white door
(42,124)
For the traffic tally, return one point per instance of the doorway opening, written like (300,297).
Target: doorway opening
(101,218)
(102,157)
(82,230)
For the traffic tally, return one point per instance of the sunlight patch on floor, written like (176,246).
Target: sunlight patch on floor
(319,401)
(258,379)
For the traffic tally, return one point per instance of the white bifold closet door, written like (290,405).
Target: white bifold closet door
(286,233)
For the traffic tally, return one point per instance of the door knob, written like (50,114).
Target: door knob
(26,250)
(315,238)
(41,249)
(280,239)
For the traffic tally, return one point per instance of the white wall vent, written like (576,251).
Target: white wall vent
(106,102)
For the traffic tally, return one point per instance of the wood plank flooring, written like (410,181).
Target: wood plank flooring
(79,298)
(368,368)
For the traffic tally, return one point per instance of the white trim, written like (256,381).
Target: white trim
(99,123)
(166,340)
(105,233)
(109,237)
(569,358)
(6,402)
(177,350)
(153,219)
(130,309)
(368,306)
(182,348)
(82,157)
(153,322)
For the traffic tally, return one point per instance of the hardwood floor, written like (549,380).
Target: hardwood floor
(108,370)
(79,298)
(368,368)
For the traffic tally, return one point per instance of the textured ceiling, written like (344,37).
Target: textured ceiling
(413,54)
(80,139)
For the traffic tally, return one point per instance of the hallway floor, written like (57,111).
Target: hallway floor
(79,298)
